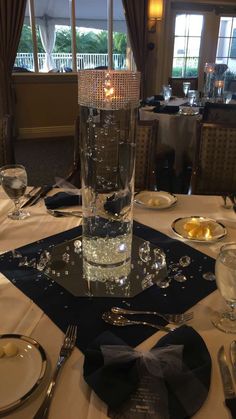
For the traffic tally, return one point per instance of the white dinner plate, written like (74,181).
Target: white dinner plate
(216,229)
(21,374)
(155,199)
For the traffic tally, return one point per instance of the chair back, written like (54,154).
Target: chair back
(177,85)
(219,113)
(145,163)
(6,141)
(214,169)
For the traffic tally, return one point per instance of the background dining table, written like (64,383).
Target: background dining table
(19,314)
(175,129)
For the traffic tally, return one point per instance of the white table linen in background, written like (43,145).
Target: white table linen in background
(73,398)
(178,131)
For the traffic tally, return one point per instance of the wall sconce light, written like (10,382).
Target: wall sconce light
(155,10)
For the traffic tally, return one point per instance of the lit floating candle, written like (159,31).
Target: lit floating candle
(209,68)
(219,83)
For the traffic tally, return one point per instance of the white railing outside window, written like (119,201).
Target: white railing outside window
(64,60)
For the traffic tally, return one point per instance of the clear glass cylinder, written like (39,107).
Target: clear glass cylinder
(108,105)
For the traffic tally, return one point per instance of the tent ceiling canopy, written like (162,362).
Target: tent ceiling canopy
(89,13)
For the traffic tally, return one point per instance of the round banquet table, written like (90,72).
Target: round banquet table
(73,398)
(175,130)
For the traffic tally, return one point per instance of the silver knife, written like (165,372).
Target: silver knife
(228,387)
(233,357)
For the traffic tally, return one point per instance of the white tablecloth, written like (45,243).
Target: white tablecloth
(73,398)
(178,131)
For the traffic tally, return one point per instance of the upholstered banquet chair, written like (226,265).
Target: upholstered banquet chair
(214,169)
(219,113)
(145,164)
(6,141)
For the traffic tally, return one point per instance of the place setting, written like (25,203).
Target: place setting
(156,200)
(23,363)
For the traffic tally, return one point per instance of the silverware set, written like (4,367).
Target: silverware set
(226,377)
(116,317)
(178,318)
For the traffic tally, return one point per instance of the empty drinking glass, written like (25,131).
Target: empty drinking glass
(186,87)
(225,270)
(192,97)
(167,92)
(14,181)
(227,97)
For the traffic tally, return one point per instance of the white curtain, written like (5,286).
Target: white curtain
(48,37)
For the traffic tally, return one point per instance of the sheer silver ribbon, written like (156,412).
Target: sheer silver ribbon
(164,365)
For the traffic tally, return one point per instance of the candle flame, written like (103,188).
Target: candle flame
(108,88)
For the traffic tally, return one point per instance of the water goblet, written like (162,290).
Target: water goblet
(192,97)
(14,182)
(225,271)
(186,87)
(167,92)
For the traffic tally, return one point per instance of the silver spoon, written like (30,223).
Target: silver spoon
(118,320)
(59,213)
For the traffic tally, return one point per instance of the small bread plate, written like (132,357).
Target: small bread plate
(199,229)
(157,200)
(188,111)
(22,367)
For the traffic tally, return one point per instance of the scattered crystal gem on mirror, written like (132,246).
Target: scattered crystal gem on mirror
(185,261)
(179,277)
(23,261)
(144,252)
(159,259)
(66,257)
(78,246)
(147,281)
(209,276)
(32,263)
(164,283)
(16,254)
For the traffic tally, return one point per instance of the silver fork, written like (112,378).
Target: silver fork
(178,318)
(66,350)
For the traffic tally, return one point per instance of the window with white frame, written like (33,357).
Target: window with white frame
(226,48)
(68,35)
(187,42)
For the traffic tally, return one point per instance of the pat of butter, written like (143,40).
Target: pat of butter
(198,230)
(10,349)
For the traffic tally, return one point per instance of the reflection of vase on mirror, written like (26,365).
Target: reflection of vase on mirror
(108,100)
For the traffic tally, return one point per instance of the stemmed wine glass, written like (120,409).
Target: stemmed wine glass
(14,182)
(186,87)
(225,270)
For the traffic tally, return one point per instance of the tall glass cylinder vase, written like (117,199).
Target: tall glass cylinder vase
(209,78)
(108,102)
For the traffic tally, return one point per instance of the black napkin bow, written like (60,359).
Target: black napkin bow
(114,383)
